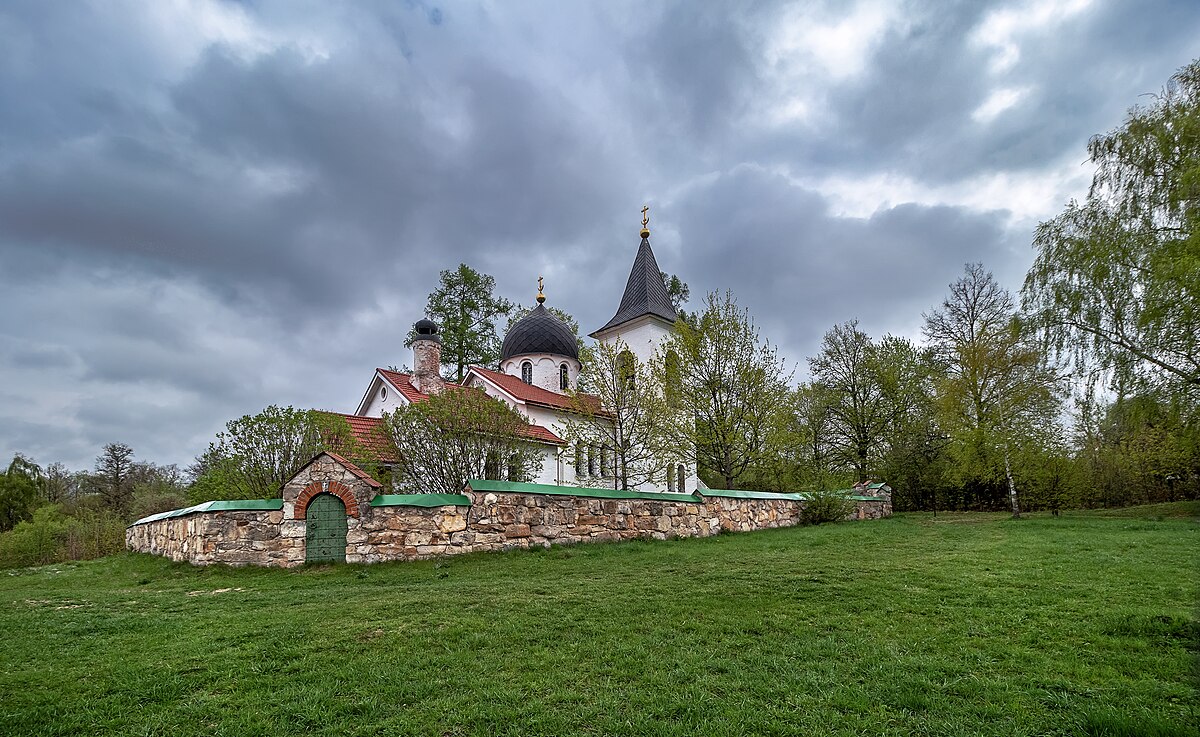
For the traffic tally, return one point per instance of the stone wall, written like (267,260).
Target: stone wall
(494,516)
(233,537)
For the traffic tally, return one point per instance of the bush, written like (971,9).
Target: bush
(52,536)
(825,506)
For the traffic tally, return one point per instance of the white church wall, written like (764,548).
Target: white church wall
(642,336)
(384,398)
(545,370)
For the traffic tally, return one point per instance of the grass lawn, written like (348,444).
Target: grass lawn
(970,624)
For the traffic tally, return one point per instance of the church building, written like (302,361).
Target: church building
(539,365)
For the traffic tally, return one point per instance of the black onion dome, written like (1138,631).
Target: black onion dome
(540,332)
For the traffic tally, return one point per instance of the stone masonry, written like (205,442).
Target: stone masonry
(385,528)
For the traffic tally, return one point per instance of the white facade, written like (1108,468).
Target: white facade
(546,370)
(642,336)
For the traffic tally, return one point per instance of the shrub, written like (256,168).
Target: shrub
(52,536)
(825,506)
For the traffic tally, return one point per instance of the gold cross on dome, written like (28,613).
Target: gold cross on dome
(540,297)
(645,217)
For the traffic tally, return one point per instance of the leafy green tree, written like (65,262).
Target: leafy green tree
(257,454)
(467,312)
(996,389)
(677,289)
(618,421)
(112,477)
(1116,281)
(457,435)
(859,415)
(732,383)
(18,491)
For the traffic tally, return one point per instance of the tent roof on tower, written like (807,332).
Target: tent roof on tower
(645,292)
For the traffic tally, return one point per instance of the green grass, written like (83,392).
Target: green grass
(968,625)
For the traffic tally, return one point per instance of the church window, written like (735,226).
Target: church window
(626,366)
(580,459)
(383,394)
(564,379)
(603,460)
(592,460)
(681,483)
(670,477)
(527,372)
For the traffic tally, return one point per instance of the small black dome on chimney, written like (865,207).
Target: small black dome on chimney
(427,329)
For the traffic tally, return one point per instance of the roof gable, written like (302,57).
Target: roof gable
(528,393)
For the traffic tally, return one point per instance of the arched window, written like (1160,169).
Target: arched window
(527,372)
(592,460)
(626,365)
(564,377)
(681,483)
(671,477)
(580,459)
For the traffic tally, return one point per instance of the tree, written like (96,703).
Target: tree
(731,385)
(616,427)
(677,289)
(1116,281)
(111,476)
(859,414)
(458,435)
(18,491)
(257,454)
(997,389)
(467,312)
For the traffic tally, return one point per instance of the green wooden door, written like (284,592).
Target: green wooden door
(325,530)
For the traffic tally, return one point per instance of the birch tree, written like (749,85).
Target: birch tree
(620,419)
(731,385)
(997,388)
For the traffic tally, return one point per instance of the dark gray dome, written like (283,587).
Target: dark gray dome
(540,332)
(427,329)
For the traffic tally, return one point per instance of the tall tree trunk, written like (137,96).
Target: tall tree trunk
(1012,487)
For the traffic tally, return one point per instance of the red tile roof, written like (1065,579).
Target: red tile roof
(369,432)
(533,394)
(355,470)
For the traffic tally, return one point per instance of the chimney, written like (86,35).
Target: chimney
(427,358)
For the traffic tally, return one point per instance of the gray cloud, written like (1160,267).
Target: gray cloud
(209,207)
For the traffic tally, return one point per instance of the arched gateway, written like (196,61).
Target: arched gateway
(325,530)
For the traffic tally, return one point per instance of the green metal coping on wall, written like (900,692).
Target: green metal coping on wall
(230,505)
(797,497)
(739,494)
(513,487)
(510,487)
(420,500)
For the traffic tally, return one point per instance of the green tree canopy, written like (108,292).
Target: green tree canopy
(618,421)
(1116,281)
(467,312)
(996,391)
(457,435)
(18,491)
(732,383)
(257,454)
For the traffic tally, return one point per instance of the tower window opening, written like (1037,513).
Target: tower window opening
(564,380)
(527,372)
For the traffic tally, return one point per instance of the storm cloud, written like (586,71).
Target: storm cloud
(207,207)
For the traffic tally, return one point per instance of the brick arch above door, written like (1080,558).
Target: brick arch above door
(338,489)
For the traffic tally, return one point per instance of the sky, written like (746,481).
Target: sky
(208,207)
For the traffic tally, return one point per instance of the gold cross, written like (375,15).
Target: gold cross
(539,284)
(645,217)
